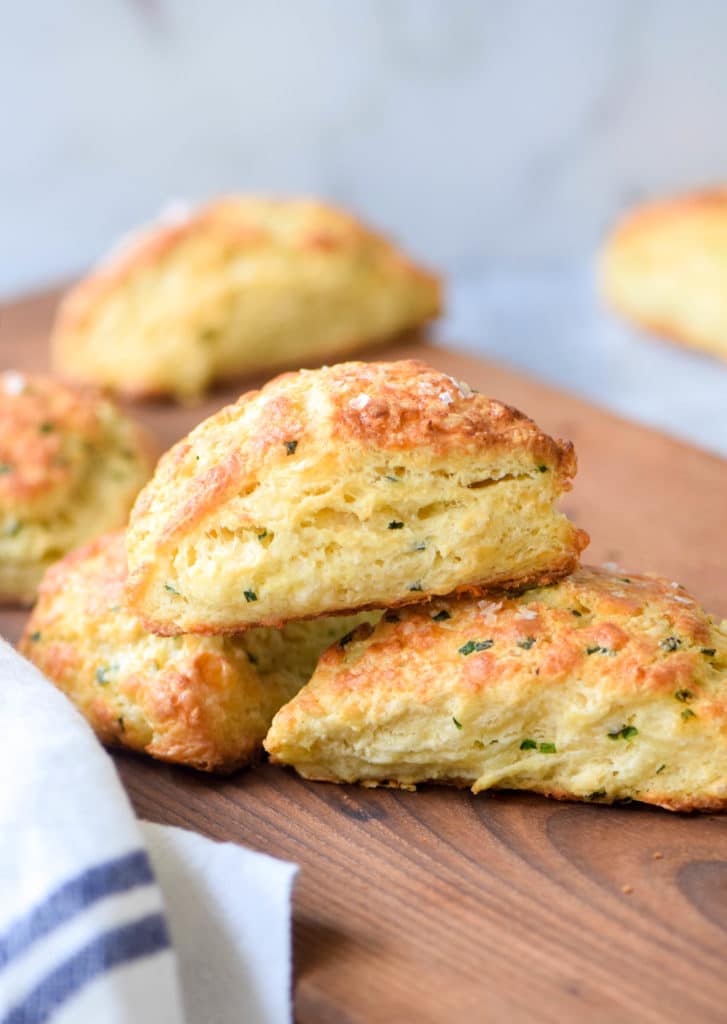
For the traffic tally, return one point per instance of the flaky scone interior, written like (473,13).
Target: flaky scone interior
(358,485)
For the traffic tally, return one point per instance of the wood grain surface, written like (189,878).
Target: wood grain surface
(437,906)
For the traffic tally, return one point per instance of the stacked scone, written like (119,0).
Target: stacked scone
(599,688)
(491,659)
(348,490)
(362,568)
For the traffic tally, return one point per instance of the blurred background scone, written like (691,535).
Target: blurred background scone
(356,485)
(665,268)
(71,465)
(202,701)
(602,687)
(242,285)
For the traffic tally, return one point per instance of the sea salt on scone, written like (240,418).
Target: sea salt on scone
(665,268)
(71,465)
(206,702)
(242,285)
(603,687)
(358,485)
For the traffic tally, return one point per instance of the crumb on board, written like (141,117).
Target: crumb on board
(658,855)
(627,889)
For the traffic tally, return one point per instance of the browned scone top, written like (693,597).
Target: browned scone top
(664,266)
(47,431)
(606,686)
(201,701)
(334,474)
(248,222)
(243,284)
(71,465)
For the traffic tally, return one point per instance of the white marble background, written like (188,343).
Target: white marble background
(496,139)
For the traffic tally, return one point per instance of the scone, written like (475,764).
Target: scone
(244,285)
(603,687)
(71,464)
(206,702)
(357,485)
(665,268)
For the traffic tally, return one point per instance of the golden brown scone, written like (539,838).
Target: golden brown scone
(603,687)
(358,485)
(202,701)
(71,464)
(665,268)
(244,285)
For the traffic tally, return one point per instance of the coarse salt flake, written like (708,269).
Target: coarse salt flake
(359,402)
(464,389)
(489,609)
(445,396)
(526,613)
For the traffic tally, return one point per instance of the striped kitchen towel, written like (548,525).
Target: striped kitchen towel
(104,919)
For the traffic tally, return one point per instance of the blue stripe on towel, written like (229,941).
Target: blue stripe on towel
(72,897)
(120,945)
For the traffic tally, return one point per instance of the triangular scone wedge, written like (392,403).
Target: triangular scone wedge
(357,485)
(665,268)
(206,702)
(243,285)
(71,466)
(603,687)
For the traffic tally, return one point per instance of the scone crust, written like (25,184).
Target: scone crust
(205,702)
(664,267)
(259,230)
(71,465)
(619,677)
(299,421)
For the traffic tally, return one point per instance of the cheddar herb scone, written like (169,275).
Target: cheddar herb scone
(665,268)
(358,485)
(603,687)
(71,465)
(243,285)
(201,701)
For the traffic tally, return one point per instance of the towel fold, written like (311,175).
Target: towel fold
(103,918)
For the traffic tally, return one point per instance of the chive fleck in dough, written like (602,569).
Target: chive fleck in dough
(602,687)
(357,485)
(71,465)
(244,285)
(206,702)
(665,268)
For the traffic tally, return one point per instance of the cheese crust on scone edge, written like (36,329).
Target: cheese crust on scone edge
(604,687)
(357,485)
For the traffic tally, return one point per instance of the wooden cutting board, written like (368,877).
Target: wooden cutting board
(437,906)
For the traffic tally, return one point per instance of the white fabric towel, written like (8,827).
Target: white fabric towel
(103,918)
